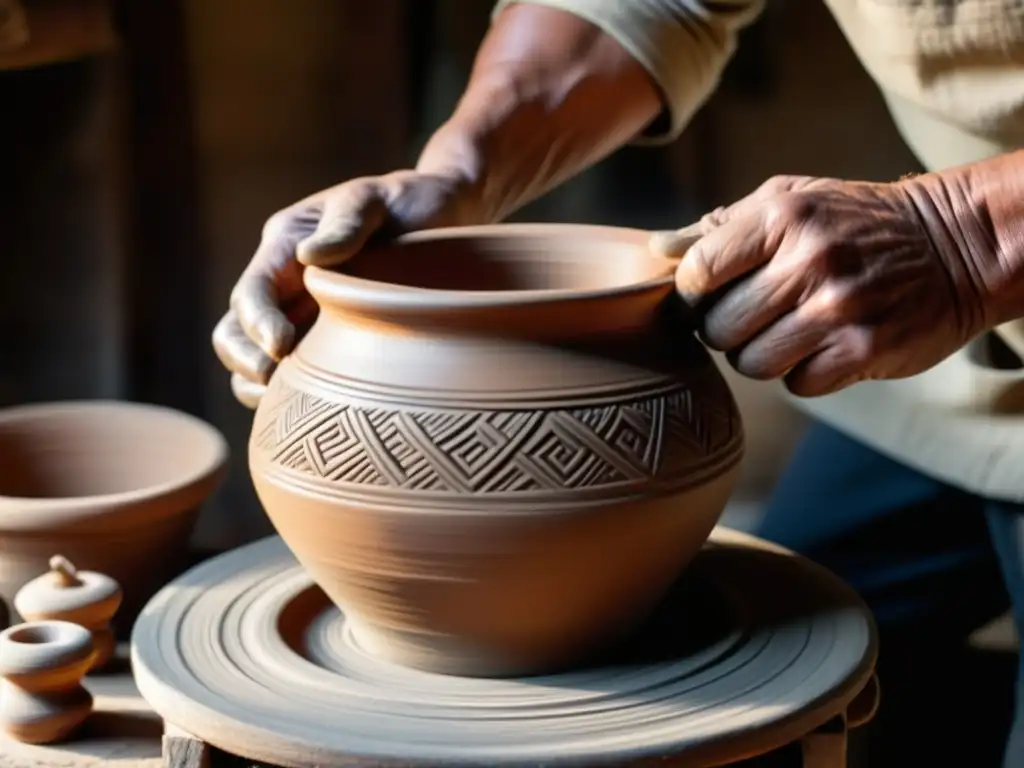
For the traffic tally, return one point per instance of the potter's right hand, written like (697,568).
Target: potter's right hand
(270,308)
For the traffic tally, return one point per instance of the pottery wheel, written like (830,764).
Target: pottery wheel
(754,648)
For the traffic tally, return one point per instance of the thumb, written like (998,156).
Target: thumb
(674,244)
(352,213)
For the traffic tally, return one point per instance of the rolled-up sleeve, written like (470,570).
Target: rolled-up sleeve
(683,44)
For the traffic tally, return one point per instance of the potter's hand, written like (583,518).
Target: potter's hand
(270,307)
(549,95)
(824,283)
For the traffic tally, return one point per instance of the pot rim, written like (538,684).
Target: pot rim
(23,513)
(334,286)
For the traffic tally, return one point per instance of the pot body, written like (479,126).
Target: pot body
(485,502)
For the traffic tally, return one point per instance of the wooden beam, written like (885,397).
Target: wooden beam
(165,267)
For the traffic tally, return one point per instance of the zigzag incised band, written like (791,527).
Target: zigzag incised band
(450,450)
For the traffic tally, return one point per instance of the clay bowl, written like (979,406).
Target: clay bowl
(115,487)
(498,446)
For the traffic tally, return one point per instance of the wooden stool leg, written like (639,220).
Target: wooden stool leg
(183,750)
(826,747)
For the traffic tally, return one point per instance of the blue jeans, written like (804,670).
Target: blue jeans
(933,563)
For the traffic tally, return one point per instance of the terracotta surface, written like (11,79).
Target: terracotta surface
(498,446)
(753,649)
(115,487)
(42,664)
(86,598)
(122,730)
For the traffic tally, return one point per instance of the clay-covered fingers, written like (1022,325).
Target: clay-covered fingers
(839,363)
(824,283)
(751,305)
(782,324)
(240,354)
(247,392)
(257,304)
(726,254)
(748,279)
(756,215)
(783,343)
(350,215)
(674,244)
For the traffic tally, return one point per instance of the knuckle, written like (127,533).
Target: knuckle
(223,348)
(713,219)
(222,330)
(782,183)
(694,272)
(859,346)
(246,391)
(240,294)
(775,185)
(278,224)
(365,191)
(394,181)
(789,209)
(348,205)
(834,303)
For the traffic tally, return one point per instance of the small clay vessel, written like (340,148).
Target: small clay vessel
(42,663)
(86,598)
(498,446)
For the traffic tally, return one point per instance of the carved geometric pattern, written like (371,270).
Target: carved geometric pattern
(450,450)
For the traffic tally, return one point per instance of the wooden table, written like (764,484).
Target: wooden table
(124,732)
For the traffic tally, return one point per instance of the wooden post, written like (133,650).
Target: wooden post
(183,750)
(166,266)
(826,746)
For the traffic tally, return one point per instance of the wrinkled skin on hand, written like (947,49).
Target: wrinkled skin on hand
(270,308)
(824,283)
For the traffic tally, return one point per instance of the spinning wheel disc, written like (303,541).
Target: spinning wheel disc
(754,648)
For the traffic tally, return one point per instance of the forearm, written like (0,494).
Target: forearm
(559,84)
(549,95)
(977,211)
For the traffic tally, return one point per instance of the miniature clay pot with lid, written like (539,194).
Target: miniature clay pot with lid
(497,447)
(86,598)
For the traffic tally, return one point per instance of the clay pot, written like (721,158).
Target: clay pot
(498,446)
(115,487)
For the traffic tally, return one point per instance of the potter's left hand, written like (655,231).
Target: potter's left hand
(824,283)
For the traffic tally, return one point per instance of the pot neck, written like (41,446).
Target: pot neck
(535,315)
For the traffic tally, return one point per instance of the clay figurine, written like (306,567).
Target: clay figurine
(85,598)
(42,663)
